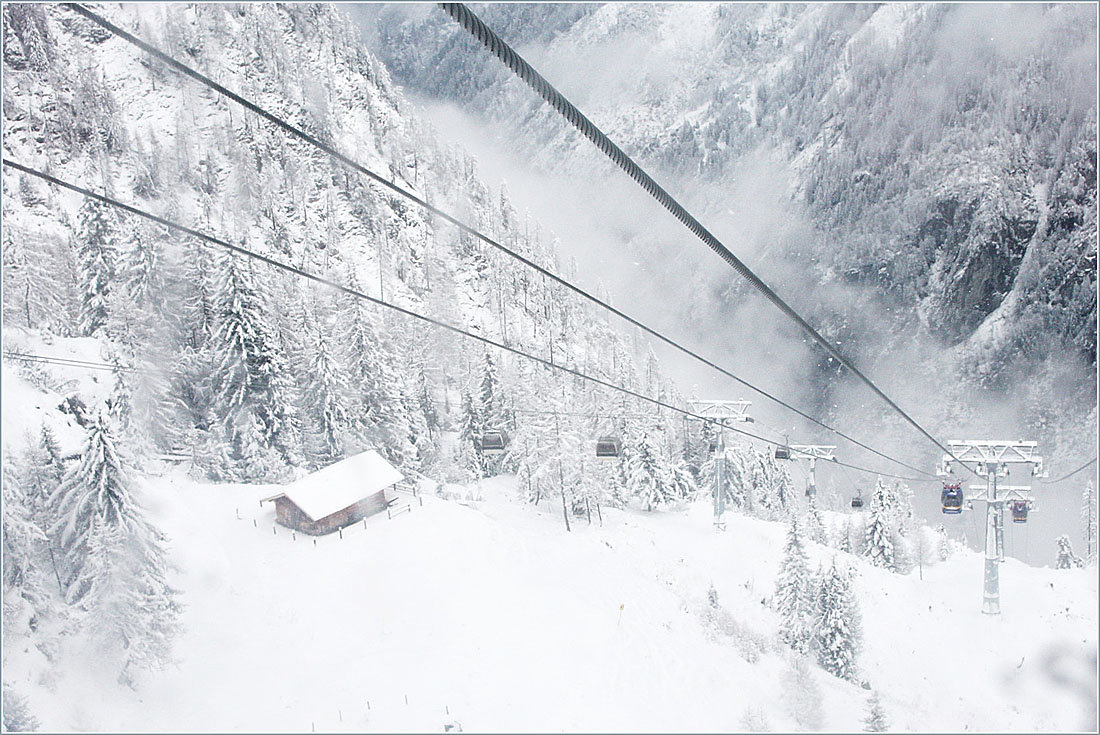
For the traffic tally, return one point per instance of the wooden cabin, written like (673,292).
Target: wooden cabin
(336,496)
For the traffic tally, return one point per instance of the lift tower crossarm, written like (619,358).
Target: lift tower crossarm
(813,451)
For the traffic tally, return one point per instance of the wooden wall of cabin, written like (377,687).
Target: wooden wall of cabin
(289,515)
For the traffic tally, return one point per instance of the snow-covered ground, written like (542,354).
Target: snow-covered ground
(495,617)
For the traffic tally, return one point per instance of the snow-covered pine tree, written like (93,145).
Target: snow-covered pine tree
(814,522)
(250,401)
(878,543)
(367,369)
(112,558)
(876,715)
(96,254)
(649,478)
(794,595)
(471,428)
(944,543)
(1090,520)
(25,577)
(843,539)
(837,632)
(324,405)
(143,288)
(491,395)
(17,715)
(1066,558)
(427,404)
(39,472)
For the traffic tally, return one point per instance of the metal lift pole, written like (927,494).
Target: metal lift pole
(991,599)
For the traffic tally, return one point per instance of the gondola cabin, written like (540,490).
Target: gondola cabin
(493,442)
(952,499)
(1019,511)
(608,447)
(783,452)
(336,496)
(857,502)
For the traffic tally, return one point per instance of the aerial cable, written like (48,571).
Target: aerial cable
(474,25)
(354,165)
(1071,474)
(279,265)
(68,362)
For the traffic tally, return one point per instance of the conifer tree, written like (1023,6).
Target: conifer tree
(1066,558)
(794,598)
(112,558)
(251,400)
(325,405)
(1089,517)
(815,524)
(96,256)
(879,543)
(876,715)
(39,472)
(470,432)
(427,404)
(23,542)
(648,475)
(17,715)
(837,632)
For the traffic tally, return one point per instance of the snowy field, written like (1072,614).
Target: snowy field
(488,614)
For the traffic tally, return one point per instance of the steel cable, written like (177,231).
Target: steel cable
(354,165)
(474,25)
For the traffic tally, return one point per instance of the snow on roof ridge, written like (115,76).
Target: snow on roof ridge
(342,483)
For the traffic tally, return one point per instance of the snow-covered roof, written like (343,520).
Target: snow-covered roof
(341,484)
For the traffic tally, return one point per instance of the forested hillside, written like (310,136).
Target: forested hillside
(936,167)
(250,373)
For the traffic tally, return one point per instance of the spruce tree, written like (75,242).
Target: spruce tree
(876,715)
(1089,517)
(879,540)
(251,400)
(325,405)
(471,429)
(1066,558)
(427,404)
(40,471)
(96,256)
(837,632)
(815,523)
(491,395)
(17,715)
(112,558)
(23,545)
(648,476)
(794,600)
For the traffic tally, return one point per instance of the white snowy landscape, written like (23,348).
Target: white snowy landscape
(248,488)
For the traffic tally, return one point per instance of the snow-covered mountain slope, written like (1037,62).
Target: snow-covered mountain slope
(491,615)
(92,109)
(919,179)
